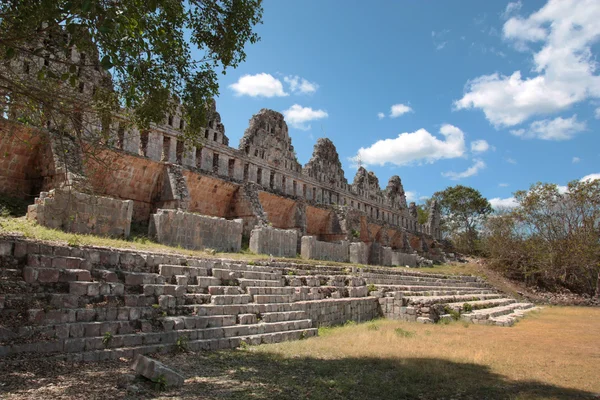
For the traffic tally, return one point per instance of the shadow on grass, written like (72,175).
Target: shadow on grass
(254,375)
(257,375)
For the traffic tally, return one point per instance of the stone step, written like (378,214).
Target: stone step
(405,288)
(282,316)
(231,299)
(480,316)
(58,262)
(169,271)
(247,319)
(481,304)
(275,298)
(196,322)
(220,290)
(444,292)
(140,278)
(193,345)
(244,283)
(197,298)
(249,267)
(225,274)
(253,290)
(399,282)
(203,283)
(429,300)
(510,319)
(253,308)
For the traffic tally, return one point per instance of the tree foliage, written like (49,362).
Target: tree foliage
(551,239)
(463,211)
(154,54)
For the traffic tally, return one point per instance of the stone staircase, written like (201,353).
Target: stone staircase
(429,298)
(95,304)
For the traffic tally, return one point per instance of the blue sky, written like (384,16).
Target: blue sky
(489,94)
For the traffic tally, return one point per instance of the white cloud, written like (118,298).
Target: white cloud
(498,203)
(423,198)
(562,189)
(441,46)
(410,195)
(563,67)
(576,160)
(259,85)
(298,116)
(380,115)
(471,171)
(479,146)
(503,185)
(590,177)
(556,129)
(510,160)
(512,8)
(597,113)
(399,109)
(418,146)
(300,85)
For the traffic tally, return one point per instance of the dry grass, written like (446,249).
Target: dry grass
(138,241)
(550,355)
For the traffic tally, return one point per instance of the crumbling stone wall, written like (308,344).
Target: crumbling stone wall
(314,249)
(194,231)
(77,212)
(275,242)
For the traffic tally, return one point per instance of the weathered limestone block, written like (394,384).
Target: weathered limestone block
(276,242)
(194,231)
(157,371)
(403,259)
(82,213)
(313,249)
(359,253)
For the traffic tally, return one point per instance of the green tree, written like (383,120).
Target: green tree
(463,210)
(154,54)
(551,238)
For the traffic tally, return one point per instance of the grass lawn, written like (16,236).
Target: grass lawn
(552,354)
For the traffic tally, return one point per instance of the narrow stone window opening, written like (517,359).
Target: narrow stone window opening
(231,167)
(143,143)
(120,136)
(246,172)
(166,148)
(259,176)
(216,163)
(179,152)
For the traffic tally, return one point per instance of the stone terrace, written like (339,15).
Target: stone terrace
(97,303)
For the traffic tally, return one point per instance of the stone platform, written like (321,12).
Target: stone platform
(97,303)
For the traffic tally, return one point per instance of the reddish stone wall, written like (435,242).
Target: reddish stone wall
(19,149)
(125,176)
(210,196)
(280,210)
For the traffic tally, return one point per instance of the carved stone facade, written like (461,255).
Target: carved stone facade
(267,138)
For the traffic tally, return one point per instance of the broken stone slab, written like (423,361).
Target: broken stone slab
(155,371)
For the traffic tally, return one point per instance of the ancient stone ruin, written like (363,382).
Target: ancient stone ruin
(261,184)
(88,303)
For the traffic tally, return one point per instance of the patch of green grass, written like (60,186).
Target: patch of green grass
(404,333)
